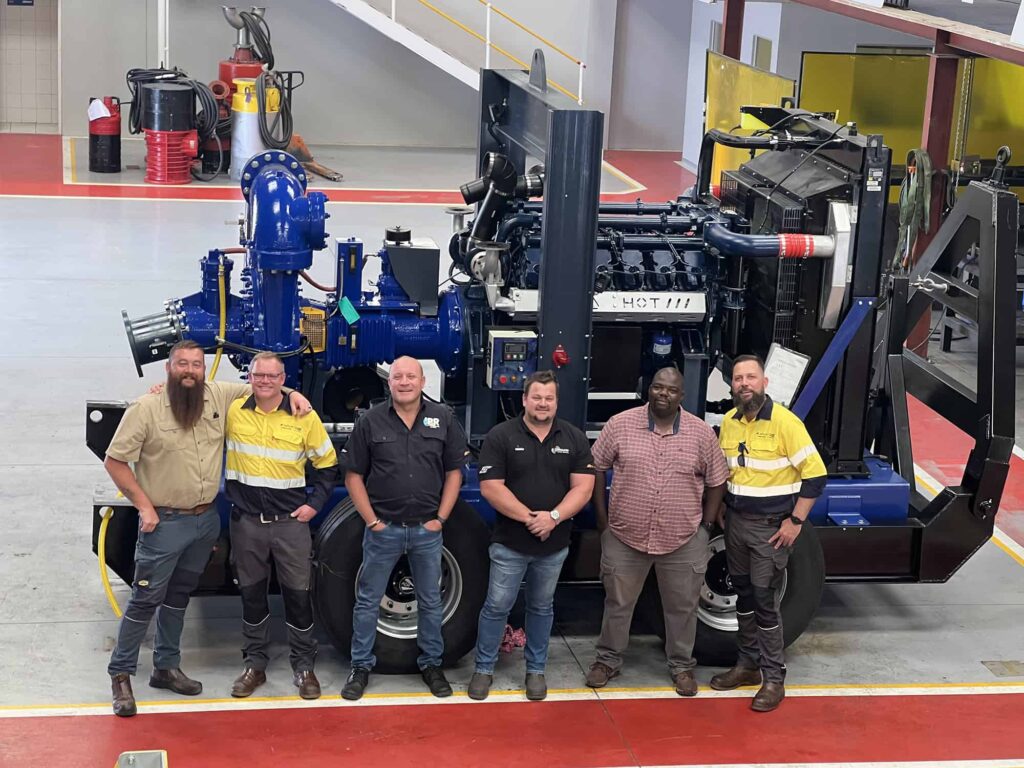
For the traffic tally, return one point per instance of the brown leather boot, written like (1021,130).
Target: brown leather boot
(308,685)
(684,683)
(735,677)
(175,680)
(768,698)
(247,682)
(599,675)
(124,698)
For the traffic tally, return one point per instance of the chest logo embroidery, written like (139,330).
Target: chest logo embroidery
(556,449)
(520,448)
(432,422)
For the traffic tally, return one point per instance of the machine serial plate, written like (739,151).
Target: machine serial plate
(627,306)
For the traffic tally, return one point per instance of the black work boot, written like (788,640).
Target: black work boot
(357,681)
(480,686)
(124,698)
(436,682)
(175,680)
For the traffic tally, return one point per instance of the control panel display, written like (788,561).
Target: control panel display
(511,358)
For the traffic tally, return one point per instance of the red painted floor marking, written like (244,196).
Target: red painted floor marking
(664,178)
(32,165)
(941,450)
(577,733)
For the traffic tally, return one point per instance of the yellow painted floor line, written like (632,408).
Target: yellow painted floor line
(567,694)
(635,186)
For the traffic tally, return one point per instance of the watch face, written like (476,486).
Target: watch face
(554,514)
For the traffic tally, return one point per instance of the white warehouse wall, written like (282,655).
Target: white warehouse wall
(361,87)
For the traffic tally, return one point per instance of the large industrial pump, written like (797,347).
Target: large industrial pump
(789,263)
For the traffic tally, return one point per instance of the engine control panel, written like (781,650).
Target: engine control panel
(511,358)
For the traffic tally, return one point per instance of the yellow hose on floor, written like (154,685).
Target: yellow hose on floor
(101,553)
(223,326)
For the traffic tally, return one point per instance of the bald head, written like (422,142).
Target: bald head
(406,381)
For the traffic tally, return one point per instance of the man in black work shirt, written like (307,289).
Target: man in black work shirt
(403,472)
(537,472)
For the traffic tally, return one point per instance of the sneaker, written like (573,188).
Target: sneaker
(600,674)
(480,686)
(536,687)
(357,681)
(436,682)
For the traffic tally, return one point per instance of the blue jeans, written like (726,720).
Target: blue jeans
(508,568)
(381,551)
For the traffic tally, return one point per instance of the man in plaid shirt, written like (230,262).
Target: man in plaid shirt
(669,477)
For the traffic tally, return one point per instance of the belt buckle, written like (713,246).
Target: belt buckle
(265,522)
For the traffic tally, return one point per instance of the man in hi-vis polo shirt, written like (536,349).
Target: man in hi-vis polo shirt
(175,440)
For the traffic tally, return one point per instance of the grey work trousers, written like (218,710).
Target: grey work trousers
(757,571)
(289,544)
(680,576)
(169,560)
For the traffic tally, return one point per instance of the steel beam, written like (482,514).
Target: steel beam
(732,28)
(940,101)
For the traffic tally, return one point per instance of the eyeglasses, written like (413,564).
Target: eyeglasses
(742,461)
(265,376)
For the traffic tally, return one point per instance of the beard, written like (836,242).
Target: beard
(749,407)
(186,402)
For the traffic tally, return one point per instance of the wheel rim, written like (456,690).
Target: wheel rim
(717,606)
(399,610)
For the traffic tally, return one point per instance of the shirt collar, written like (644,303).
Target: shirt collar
(555,426)
(285,405)
(423,405)
(765,414)
(675,424)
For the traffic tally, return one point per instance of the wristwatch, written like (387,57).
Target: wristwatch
(441,520)
(555,515)
(795,520)
(708,525)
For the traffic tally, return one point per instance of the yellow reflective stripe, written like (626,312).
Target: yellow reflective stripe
(264,452)
(265,482)
(762,491)
(800,456)
(321,450)
(767,465)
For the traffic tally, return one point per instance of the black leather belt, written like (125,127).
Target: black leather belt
(408,523)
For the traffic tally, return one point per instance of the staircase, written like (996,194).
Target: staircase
(461,47)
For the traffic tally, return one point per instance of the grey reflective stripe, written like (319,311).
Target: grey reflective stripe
(769,465)
(322,450)
(764,491)
(800,456)
(264,482)
(263,452)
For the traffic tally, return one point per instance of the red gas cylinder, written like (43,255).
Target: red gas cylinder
(105,138)
(169,156)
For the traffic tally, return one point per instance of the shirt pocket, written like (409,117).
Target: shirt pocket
(764,443)
(173,437)
(288,440)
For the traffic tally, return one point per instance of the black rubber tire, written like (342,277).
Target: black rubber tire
(338,555)
(805,579)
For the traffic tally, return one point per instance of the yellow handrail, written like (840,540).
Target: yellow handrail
(529,31)
(472,32)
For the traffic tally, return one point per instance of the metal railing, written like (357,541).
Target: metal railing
(490,45)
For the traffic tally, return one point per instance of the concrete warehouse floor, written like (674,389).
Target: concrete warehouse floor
(885,673)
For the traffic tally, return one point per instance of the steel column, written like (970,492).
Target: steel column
(940,102)
(732,28)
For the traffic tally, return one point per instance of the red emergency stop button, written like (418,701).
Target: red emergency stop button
(559,356)
(503,379)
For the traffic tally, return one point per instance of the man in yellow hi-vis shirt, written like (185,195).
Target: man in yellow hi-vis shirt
(267,451)
(775,474)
